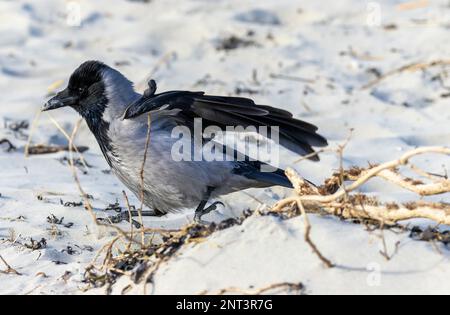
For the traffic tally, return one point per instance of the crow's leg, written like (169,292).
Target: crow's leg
(201,210)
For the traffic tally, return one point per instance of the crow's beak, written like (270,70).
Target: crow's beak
(139,107)
(62,99)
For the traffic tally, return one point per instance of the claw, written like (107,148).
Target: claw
(199,214)
(213,207)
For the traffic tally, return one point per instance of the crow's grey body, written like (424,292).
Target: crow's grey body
(169,185)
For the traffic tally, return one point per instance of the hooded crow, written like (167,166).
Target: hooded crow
(116,115)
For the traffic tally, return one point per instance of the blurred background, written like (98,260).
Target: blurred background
(378,68)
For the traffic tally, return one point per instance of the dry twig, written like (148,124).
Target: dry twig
(302,187)
(9,269)
(142,174)
(298,287)
(308,240)
(410,67)
(32,129)
(71,139)
(46,149)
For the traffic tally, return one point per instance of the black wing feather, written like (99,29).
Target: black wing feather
(296,135)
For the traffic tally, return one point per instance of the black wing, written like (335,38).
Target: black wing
(222,111)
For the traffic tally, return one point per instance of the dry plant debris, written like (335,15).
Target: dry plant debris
(431,235)
(333,198)
(17,127)
(337,198)
(416,66)
(71,204)
(9,269)
(36,245)
(234,42)
(141,264)
(46,149)
(52,219)
(298,288)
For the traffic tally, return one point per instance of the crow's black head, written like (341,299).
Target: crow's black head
(85,77)
(85,92)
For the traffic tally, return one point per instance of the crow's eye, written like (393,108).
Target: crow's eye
(82,91)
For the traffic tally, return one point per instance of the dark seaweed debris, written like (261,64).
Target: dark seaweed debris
(36,245)
(120,217)
(124,214)
(239,90)
(138,262)
(52,219)
(114,207)
(11,147)
(77,163)
(71,204)
(17,127)
(234,42)
(70,251)
(430,235)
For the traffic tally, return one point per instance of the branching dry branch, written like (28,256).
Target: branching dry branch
(368,208)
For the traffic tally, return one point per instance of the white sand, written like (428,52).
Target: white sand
(328,43)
